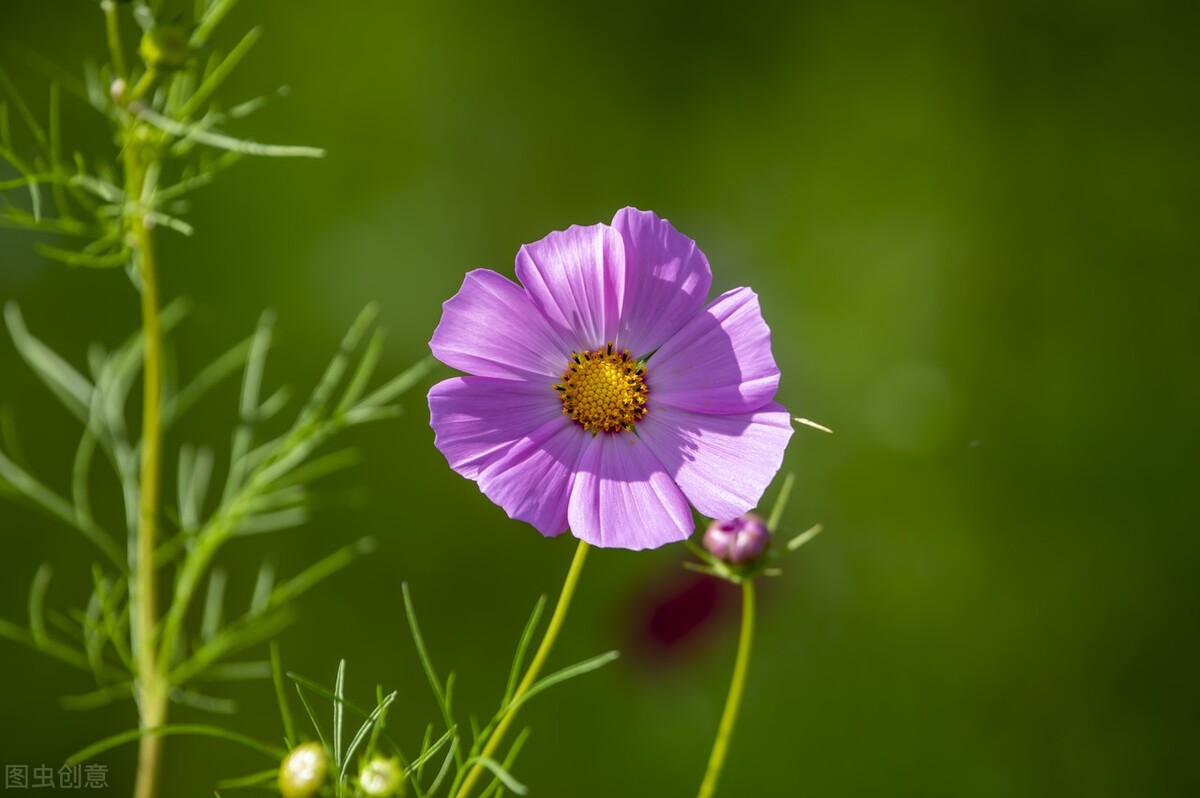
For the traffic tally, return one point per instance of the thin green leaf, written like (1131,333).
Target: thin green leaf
(23,110)
(337,366)
(514,672)
(80,475)
(785,492)
(5,126)
(248,404)
(260,779)
(41,496)
(503,775)
(339,690)
(221,141)
(418,764)
(319,571)
(18,218)
(97,698)
(513,752)
(51,647)
(285,711)
(804,537)
(37,604)
(367,726)
(101,188)
(363,373)
(71,387)
(311,715)
(10,439)
(70,257)
(320,467)
(220,706)
(426,662)
(209,377)
(218,75)
(243,634)
(399,384)
(272,522)
(285,498)
(198,729)
(200,180)
(212,17)
(274,403)
(569,672)
(263,583)
(425,741)
(365,415)
(214,605)
(452,755)
(238,671)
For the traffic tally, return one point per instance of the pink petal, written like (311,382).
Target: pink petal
(623,498)
(476,419)
(723,463)
(490,328)
(576,278)
(533,481)
(719,362)
(667,280)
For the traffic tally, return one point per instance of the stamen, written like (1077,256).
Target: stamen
(604,390)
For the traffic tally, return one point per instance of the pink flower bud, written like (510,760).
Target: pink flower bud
(737,541)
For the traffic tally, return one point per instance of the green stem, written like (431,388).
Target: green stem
(142,86)
(112,26)
(531,675)
(709,786)
(152,688)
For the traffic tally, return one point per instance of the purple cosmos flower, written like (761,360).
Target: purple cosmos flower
(603,394)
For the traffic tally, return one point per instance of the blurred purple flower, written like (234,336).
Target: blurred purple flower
(603,395)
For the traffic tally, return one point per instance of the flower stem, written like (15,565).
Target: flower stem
(152,687)
(709,786)
(112,26)
(531,675)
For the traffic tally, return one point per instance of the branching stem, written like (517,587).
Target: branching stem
(152,687)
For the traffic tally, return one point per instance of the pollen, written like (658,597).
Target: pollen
(604,390)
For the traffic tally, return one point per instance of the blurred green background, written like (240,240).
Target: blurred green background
(974,230)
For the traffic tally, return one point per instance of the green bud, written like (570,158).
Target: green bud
(303,771)
(381,778)
(165,48)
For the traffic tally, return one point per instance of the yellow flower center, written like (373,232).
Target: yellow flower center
(604,390)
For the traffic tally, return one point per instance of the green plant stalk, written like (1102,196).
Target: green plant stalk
(531,675)
(112,27)
(152,687)
(729,717)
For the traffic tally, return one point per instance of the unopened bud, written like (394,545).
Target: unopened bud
(117,89)
(165,48)
(381,778)
(303,771)
(737,541)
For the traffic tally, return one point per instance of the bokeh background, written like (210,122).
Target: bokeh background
(974,228)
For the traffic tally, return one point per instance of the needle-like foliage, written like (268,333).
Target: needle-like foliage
(172,134)
(268,488)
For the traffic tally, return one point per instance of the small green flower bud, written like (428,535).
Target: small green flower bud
(303,771)
(381,778)
(739,540)
(165,48)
